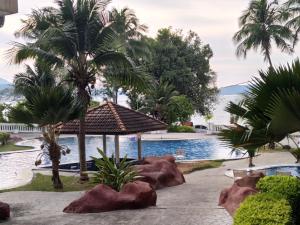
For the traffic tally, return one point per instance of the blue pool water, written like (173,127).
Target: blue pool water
(206,148)
(294,170)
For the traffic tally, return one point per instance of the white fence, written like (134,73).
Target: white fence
(19,128)
(215,128)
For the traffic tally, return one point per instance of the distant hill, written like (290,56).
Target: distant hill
(233,90)
(4,84)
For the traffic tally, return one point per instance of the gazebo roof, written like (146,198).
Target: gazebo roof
(113,119)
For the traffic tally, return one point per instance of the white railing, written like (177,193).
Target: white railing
(215,128)
(19,128)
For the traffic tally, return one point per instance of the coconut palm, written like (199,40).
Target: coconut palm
(260,26)
(263,112)
(78,36)
(47,103)
(291,13)
(130,41)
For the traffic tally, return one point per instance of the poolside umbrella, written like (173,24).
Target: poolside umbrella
(113,119)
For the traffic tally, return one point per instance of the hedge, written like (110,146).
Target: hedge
(264,209)
(4,138)
(181,129)
(286,186)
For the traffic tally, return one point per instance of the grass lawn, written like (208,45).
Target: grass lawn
(71,183)
(43,183)
(187,168)
(10,147)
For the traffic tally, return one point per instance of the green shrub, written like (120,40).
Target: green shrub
(264,209)
(4,138)
(111,174)
(181,129)
(286,186)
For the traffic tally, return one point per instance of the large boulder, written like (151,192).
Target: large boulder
(4,211)
(231,198)
(103,198)
(160,172)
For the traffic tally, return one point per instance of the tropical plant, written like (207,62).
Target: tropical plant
(159,99)
(291,14)
(4,138)
(3,107)
(78,36)
(112,174)
(180,109)
(262,113)
(47,103)
(130,32)
(260,25)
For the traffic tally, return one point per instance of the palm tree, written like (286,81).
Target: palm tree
(291,13)
(130,35)
(158,100)
(76,35)
(47,103)
(263,112)
(260,25)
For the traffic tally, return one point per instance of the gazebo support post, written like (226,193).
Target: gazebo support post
(117,149)
(139,144)
(104,145)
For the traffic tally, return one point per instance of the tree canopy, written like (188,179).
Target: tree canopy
(184,62)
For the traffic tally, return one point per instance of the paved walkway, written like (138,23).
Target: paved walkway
(193,203)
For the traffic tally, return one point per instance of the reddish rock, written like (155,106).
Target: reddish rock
(103,198)
(160,172)
(249,181)
(231,198)
(4,211)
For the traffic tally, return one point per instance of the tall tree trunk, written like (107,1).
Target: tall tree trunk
(81,144)
(115,99)
(54,153)
(57,184)
(251,161)
(269,59)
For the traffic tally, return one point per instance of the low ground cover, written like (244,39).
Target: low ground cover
(10,147)
(190,167)
(44,183)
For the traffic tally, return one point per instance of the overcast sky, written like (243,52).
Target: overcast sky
(214,20)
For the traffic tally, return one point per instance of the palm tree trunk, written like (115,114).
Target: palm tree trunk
(81,144)
(54,152)
(251,161)
(57,184)
(269,59)
(116,95)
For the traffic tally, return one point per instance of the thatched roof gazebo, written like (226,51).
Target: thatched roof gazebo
(113,119)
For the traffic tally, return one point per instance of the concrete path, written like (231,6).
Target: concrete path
(193,203)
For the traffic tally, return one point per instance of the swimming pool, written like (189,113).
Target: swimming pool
(293,169)
(205,148)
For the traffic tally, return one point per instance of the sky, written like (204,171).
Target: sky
(215,21)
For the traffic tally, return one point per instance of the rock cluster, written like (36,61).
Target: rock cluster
(231,198)
(103,198)
(160,172)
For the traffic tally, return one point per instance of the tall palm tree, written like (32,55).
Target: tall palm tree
(130,35)
(78,36)
(291,13)
(47,102)
(260,25)
(263,112)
